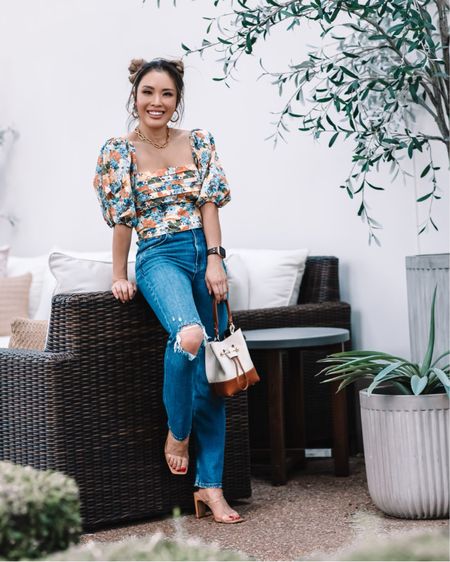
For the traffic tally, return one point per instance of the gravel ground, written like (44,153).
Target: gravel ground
(315,516)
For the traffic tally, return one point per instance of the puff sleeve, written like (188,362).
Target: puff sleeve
(113,183)
(215,186)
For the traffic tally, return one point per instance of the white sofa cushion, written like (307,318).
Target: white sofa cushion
(4,341)
(84,272)
(238,282)
(274,275)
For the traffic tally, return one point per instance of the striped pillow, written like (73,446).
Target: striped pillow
(14,297)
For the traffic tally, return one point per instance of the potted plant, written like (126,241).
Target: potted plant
(405,427)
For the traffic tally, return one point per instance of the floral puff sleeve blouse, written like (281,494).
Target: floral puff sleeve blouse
(154,202)
(113,183)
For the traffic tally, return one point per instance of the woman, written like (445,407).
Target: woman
(168,184)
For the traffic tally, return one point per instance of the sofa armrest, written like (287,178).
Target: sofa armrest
(329,313)
(30,406)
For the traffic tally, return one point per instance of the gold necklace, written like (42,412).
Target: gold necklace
(142,137)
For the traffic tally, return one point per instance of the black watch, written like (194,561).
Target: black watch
(217,250)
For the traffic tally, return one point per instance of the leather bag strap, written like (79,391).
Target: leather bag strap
(237,364)
(216,322)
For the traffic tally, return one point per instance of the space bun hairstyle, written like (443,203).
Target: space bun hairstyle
(138,68)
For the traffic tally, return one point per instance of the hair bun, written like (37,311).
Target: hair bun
(179,65)
(134,67)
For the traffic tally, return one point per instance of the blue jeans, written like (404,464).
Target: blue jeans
(170,273)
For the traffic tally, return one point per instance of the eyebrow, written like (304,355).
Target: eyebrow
(164,89)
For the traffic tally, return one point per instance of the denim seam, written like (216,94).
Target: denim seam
(144,247)
(176,436)
(200,484)
(196,252)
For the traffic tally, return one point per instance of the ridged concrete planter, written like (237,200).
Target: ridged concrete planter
(406,452)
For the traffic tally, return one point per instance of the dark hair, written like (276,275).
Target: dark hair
(139,68)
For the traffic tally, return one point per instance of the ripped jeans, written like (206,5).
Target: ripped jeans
(170,273)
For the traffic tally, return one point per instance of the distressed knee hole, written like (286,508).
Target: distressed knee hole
(189,339)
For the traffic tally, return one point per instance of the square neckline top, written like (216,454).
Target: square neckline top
(159,172)
(168,199)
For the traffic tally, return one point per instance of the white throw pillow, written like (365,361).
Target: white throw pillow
(238,282)
(274,275)
(84,272)
(37,266)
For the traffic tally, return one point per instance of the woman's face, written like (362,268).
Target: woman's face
(156,99)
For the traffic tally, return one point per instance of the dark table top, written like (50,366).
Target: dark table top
(282,338)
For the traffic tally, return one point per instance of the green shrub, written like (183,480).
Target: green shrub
(154,547)
(422,546)
(39,512)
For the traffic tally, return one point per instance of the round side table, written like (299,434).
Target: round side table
(296,340)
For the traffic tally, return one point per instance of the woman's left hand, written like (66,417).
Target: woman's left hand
(216,278)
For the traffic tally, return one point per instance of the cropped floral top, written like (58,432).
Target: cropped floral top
(165,200)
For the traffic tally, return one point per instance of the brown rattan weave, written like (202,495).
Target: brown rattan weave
(90,406)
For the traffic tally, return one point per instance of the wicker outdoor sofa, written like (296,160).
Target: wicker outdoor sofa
(90,405)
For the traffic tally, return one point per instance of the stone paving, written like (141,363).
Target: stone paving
(314,517)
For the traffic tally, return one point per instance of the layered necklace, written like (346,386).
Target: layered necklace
(142,137)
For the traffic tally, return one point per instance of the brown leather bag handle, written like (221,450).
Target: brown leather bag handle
(216,322)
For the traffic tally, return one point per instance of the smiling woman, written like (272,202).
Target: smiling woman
(168,184)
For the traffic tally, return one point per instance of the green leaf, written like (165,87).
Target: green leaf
(333,138)
(424,197)
(248,43)
(418,384)
(398,27)
(429,353)
(374,186)
(328,118)
(444,378)
(434,226)
(348,72)
(375,383)
(440,357)
(425,171)
(384,372)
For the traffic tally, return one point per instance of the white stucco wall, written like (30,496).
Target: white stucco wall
(65,85)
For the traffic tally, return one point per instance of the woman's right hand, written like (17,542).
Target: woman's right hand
(123,289)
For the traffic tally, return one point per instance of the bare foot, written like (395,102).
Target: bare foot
(176,453)
(214,499)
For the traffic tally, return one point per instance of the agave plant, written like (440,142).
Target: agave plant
(406,377)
